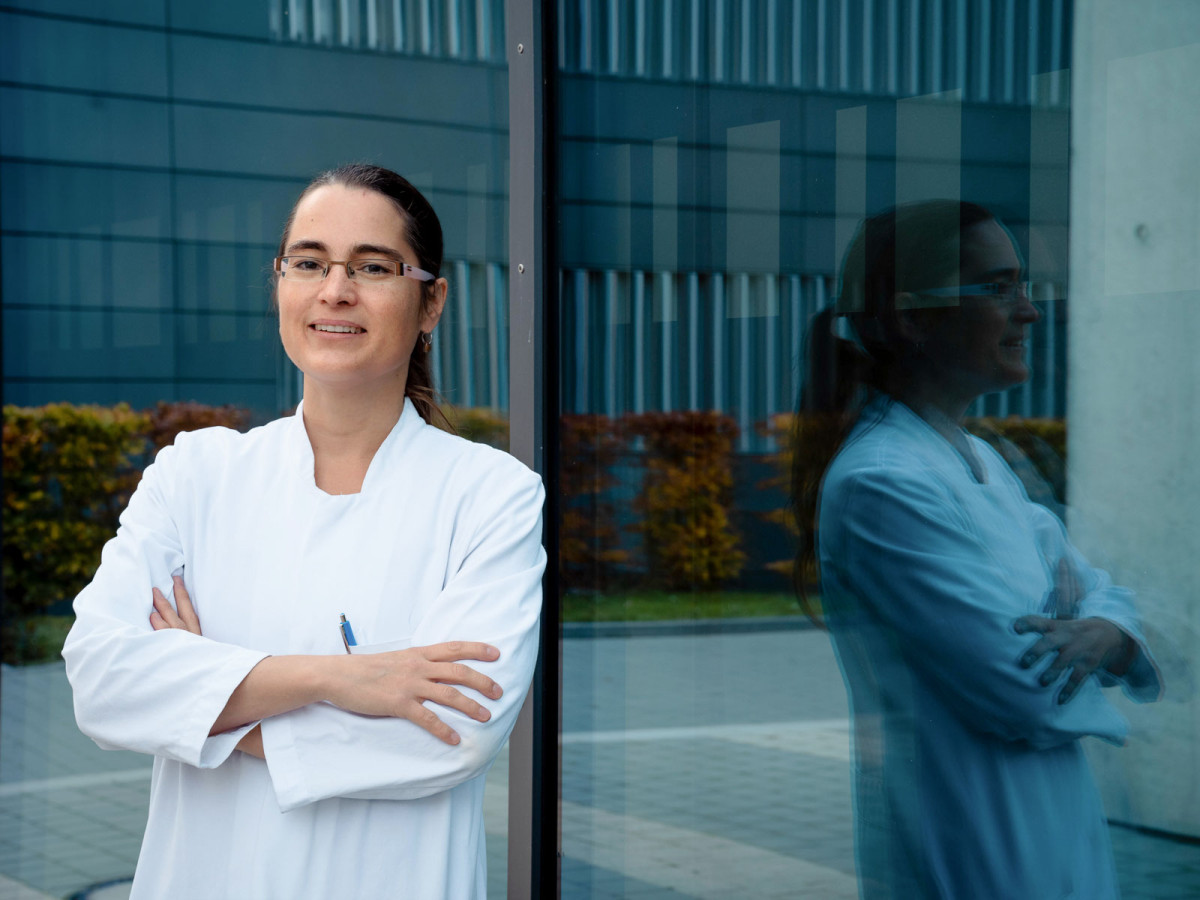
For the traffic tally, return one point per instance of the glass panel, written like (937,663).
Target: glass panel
(149,156)
(716,159)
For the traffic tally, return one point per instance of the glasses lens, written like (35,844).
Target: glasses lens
(302,268)
(1016,290)
(374,269)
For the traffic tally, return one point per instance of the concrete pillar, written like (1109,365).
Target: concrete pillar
(1134,367)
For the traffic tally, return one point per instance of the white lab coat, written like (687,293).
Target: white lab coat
(970,780)
(442,543)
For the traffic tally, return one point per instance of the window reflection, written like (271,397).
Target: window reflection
(715,159)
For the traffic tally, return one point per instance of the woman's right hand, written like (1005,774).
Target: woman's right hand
(397,684)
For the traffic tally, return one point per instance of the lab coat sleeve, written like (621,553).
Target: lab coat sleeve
(1105,600)
(900,543)
(135,688)
(495,596)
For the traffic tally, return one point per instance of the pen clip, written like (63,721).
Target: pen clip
(347,633)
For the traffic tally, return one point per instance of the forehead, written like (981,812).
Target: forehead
(988,249)
(340,216)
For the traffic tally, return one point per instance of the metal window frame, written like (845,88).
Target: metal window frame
(534,771)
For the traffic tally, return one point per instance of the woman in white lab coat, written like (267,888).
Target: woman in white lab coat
(322,629)
(973,638)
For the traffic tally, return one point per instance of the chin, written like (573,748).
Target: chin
(1014,377)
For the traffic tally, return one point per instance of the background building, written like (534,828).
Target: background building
(146,180)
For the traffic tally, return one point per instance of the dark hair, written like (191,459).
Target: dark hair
(422,232)
(906,248)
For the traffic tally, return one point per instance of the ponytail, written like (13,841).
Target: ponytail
(418,387)
(837,385)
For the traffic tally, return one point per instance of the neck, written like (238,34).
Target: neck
(942,409)
(345,429)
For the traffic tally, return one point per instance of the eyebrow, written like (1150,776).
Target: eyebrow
(356,252)
(1000,272)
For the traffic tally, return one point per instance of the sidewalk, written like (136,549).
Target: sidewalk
(702,765)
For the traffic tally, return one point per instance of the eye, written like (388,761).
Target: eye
(375,268)
(1010,289)
(305,264)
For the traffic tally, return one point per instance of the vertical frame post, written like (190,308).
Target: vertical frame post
(533,756)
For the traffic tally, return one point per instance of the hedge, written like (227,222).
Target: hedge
(68,474)
(69,471)
(686,499)
(590,552)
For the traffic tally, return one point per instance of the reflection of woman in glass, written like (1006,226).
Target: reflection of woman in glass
(296,756)
(938,575)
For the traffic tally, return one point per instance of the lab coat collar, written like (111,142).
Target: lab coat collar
(398,441)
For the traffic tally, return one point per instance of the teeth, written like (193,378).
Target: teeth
(340,329)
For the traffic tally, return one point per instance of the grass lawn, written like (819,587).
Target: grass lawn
(40,638)
(35,639)
(661,606)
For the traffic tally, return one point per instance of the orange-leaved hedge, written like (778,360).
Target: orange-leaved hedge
(686,499)
(167,420)
(589,536)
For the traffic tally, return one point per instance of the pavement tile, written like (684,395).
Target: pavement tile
(775,788)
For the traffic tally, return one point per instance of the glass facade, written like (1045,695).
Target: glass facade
(145,185)
(710,162)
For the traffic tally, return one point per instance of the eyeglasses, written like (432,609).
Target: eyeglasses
(1008,291)
(371,271)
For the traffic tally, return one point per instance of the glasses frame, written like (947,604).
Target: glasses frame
(406,271)
(1006,290)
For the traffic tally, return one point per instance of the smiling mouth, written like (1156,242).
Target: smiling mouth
(339,329)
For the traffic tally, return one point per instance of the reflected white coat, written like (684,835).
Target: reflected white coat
(443,543)
(970,780)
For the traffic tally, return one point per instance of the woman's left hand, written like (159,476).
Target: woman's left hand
(1081,645)
(182,615)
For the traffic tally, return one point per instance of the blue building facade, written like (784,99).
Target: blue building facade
(150,153)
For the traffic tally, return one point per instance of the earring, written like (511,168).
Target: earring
(426,341)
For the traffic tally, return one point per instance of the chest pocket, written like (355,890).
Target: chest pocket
(384,647)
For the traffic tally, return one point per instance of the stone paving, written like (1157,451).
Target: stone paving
(704,766)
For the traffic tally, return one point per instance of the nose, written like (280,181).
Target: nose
(337,286)
(1025,311)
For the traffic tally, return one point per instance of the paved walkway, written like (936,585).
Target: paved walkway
(704,766)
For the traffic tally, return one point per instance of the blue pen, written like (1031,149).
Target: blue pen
(347,633)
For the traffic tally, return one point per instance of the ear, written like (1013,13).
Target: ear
(434,305)
(910,324)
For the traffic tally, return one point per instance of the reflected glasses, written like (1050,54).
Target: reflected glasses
(370,271)
(1006,291)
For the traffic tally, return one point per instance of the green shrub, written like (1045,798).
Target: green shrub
(68,473)
(685,501)
(480,424)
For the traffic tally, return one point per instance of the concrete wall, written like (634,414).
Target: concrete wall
(1134,379)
